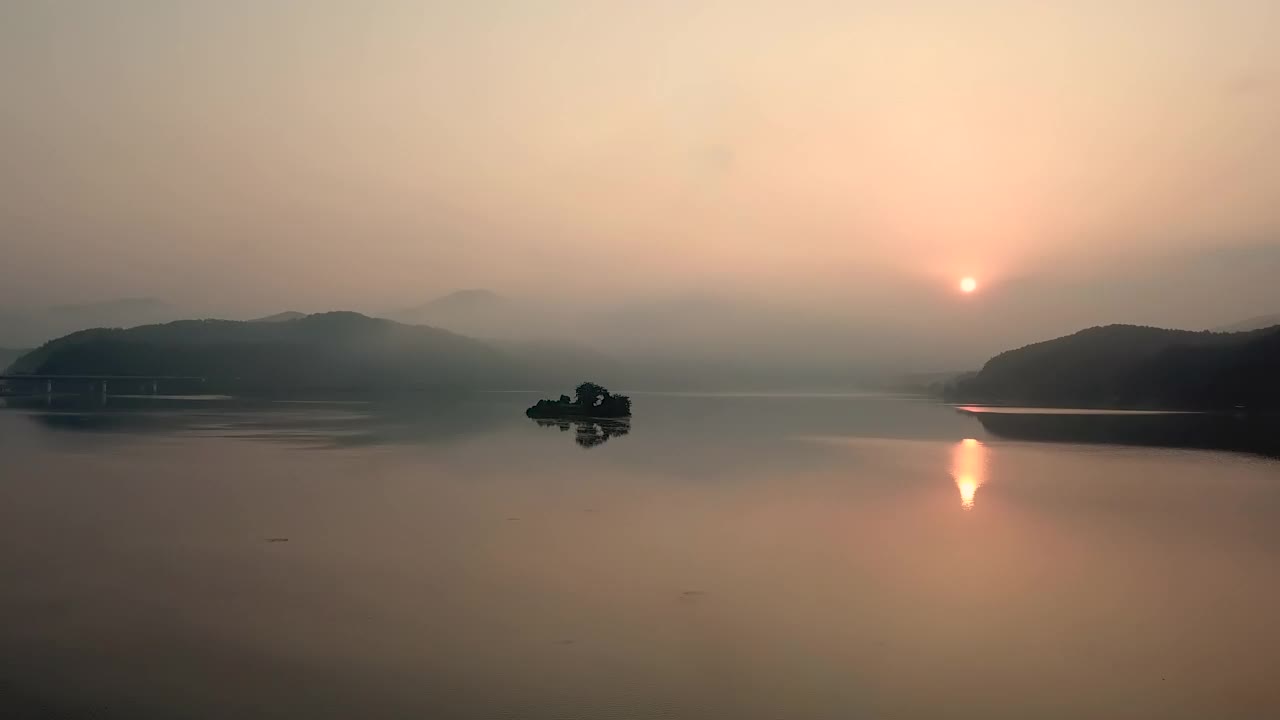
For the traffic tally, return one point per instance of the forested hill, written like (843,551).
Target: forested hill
(339,350)
(1126,366)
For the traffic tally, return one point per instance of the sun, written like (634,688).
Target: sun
(968,285)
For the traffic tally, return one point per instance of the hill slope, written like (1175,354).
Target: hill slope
(8,355)
(339,350)
(1124,366)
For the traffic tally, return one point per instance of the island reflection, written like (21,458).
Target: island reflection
(1240,432)
(590,432)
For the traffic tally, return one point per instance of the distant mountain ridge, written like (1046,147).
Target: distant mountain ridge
(339,350)
(456,303)
(285,316)
(468,299)
(1127,366)
(479,313)
(1255,323)
(324,351)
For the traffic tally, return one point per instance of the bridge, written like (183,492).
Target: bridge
(95,381)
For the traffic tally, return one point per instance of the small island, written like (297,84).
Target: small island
(591,401)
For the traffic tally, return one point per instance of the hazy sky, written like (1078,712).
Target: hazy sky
(256,155)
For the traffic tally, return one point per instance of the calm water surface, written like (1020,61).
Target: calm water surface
(722,557)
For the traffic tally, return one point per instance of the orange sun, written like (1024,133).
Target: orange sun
(968,285)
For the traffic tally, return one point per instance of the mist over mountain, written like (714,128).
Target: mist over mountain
(877,324)
(285,316)
(559,363)
(683,340)
(31,326)
(716,338)
(1254,323)
(480,313)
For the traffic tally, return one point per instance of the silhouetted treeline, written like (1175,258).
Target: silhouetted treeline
(1125,366)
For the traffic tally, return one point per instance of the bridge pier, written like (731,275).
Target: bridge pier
(48,387)
(155,387)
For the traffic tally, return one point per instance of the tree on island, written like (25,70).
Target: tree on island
(590,400)
(590,394)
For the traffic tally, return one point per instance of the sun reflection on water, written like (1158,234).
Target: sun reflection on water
(968,467)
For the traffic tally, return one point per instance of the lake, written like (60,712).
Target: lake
(723,556)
